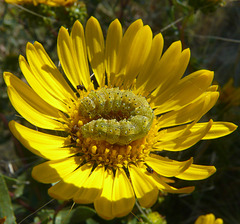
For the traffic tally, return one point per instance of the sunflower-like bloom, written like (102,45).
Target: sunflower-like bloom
(111,123)
(46,2)
(208,219)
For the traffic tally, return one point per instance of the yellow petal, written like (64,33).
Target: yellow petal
(50,76)
(92,187)
(46,72)
(192,112)
(169,69)
(123,198)
(145,190)
(103,204)
(68,187)
(167,167)
(95,49)
(206,219)
(47,146)
(147,72)
(80,52)
(163,186)
(33,79)
(30,105)
(124,50)
(218,129)
(172,76)
(68,58)
(138,53)
(113,40)
(53,171)
(185,139)
(197,172)
(168,134)
(186,91)
(218,221)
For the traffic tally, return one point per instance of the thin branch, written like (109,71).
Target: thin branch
(172,24)
(216,38)
(34,13)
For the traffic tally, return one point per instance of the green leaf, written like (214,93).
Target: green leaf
(91,221)
(44,216)
(74,216)
(5,203)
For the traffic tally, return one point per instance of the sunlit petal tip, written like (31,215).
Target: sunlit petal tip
(62,33)
(115,25)
(232,127)
(159,38)
(135,26)
(76,23)
(219,129)
(209,75)
(6,76)
(12,128)
(197,172)
(186,54)
(147,31)
(29,44)
(37,44)
(211,171)
(77,30)
(139,21)
(20,57)
(116,21)
(92,22)
(29,47)
(96,49)
(177,45)
(219,221)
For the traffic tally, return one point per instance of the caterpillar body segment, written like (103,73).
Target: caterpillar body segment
(116,116)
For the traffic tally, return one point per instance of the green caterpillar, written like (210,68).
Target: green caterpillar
(116,116)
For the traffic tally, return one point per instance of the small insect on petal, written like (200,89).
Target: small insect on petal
(150,169)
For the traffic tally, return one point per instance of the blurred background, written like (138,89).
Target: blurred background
(210,28)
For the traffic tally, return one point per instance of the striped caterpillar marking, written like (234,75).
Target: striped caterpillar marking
(116,116)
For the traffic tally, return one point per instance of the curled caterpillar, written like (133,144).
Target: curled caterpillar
(116,116)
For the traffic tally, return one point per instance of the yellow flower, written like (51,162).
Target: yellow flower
(109,130)
(208,219)
(46,2)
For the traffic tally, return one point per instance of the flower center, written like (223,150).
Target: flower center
(111,125)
